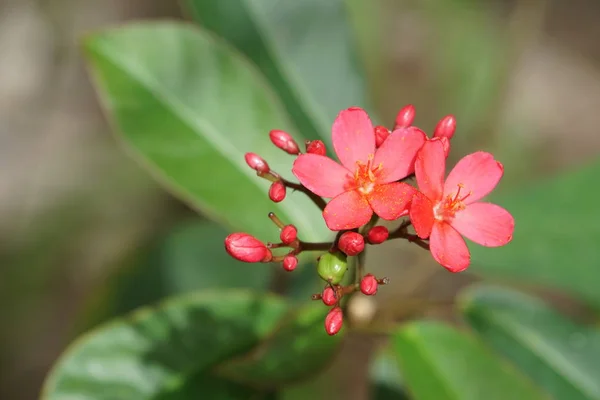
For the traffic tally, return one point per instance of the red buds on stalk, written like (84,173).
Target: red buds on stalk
(351,243)
(328,296)
(368,285)
(334,321)
(288,234)
(290,263)
(378,234)
(247,248)
(445,127)
(277,191)
(256,162)
(381,133)
(405,117)
(284,141)
(316,147)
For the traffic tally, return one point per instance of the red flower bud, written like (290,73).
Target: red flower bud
(378,234)
(247,248)
(381,133)
(446,127)
(284,141)
(351,243)
(256,162)
(405,117)
(290,263)
(334,321)
(316,147)
(368,285)
(329,297)
(277,191)
(288,234)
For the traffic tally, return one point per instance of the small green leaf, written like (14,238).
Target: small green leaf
(299,348)
(558,354)
(156,352)
(304,48)
(189,107)
(440,362)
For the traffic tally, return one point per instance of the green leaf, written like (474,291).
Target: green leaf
(159,352)
(558,354)
(557,231)
(304,48)
(189,107)
(440,362)
(299,348)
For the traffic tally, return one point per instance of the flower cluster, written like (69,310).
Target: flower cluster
(374,180)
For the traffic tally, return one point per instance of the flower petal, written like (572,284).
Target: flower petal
(353,137)
(477,173)
(449,248)
(391,201)
(421,215)
(320,174)
(397,154)
(347,211)
(485,223)
(430,166)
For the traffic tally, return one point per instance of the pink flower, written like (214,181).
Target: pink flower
(366,180)
(445,211)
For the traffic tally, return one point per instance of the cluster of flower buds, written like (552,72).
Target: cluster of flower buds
(374,180)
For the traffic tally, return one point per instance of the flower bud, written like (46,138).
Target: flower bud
(284,141)
(290,263)
(288,234)
(316,147)
(329,297)
(332,267)
(446,127)
(247,248)
(277,191)
(334,321)
(351,243)
(256,162)
(381,133)
(405,116)
(368,285)
(378,234)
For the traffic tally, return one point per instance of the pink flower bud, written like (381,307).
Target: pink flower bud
(256,162)
(247,248)
(290,263)
(381,133)
(277,191)
(368,285)
(405,117)
(288,234)
(351,243)
(284,141)
(329,298)
(316,147)
(334,321)
(378,234)
(446,127)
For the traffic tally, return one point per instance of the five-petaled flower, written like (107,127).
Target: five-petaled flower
(367,179)
(445,211)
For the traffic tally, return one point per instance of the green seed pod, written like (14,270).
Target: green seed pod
(332,267)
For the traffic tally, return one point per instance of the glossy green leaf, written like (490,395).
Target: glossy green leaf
(188,107)
(558,354)
(157,352)
(557,231)
(298,349)
(440,362)
(304,48)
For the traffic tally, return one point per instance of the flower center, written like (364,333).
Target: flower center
(366,175)
(447,208)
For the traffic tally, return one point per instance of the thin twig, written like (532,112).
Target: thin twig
(318,200)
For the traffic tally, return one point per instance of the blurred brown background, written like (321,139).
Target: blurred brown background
(73,207)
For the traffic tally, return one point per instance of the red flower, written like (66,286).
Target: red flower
(366,180)
(445,211)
